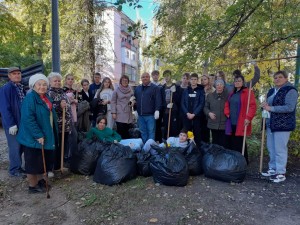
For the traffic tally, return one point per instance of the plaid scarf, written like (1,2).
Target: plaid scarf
(20,91)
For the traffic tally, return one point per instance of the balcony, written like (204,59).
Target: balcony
(126,44)
(124,28)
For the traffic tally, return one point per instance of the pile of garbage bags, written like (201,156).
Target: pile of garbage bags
(115,163)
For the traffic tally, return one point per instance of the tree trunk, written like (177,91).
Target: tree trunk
(91,37)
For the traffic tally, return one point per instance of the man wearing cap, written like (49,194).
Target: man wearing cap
(11,97)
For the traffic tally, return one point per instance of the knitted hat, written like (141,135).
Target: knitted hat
(33,79)
(13,69)
(219,81)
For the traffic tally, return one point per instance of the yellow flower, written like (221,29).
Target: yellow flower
(190,135)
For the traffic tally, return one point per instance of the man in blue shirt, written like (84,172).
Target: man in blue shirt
(11,97)
(148,104)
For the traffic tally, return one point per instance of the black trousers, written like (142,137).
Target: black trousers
(236,143)
(123,129)
(218,137)
(205,131)
(174,127)
(193,125)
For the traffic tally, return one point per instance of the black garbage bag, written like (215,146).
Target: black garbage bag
(81,136)
(84,160)
(205,147)
(134,133)
(193,157)
(225,165)
(116,165)
(169,167)
(143,163)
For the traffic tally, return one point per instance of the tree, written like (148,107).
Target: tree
(25,33)
(226,31)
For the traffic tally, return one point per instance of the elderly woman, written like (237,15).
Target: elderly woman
(38,129)
(60,101)
(121,109)
(102,132)
(214,110)
(281,104)
(238,117)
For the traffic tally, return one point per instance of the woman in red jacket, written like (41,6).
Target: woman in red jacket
(238,118)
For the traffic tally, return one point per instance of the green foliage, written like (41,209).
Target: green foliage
(25,27)
(222,32)
(294,141)
(132,3)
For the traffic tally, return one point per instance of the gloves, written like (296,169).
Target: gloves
(156,114)
(265,114)
(132,98)
(13,130)
(170,106)
(173,88)
(132,101)
(136,115)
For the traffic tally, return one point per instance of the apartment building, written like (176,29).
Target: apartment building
(119,50)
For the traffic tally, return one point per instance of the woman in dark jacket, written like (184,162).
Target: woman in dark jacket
(38,129)
(83,107)
(281,104)
(214,110)
(238,117)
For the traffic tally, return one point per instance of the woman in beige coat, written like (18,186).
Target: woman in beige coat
(121,109)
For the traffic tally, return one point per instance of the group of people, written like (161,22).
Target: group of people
(49,115)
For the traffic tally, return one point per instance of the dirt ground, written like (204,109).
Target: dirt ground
(78,200)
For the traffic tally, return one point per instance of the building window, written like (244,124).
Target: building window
(127,54)
(133,56)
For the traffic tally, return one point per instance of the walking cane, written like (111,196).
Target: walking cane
(262,145)
(245,129)
(63,140)
(45,171)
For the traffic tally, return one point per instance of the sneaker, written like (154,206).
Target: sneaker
(279,178)
(50,174)
(272,177)
(35,190)
(269,173)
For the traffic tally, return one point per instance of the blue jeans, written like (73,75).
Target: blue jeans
(147,127)
(14,153)
(278,151)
